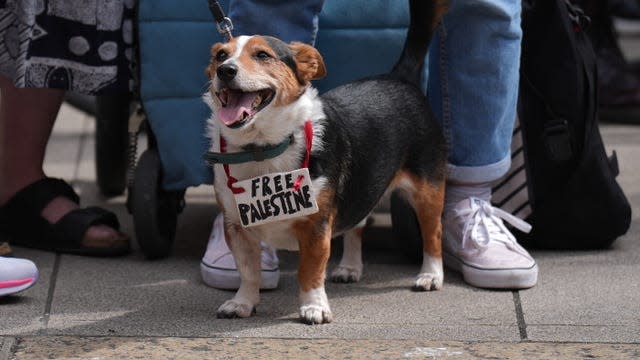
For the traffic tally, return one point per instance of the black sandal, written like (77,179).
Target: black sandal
(23,223)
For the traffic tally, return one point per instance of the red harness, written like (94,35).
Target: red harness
(308,136)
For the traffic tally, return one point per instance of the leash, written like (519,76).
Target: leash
(223,23)
(308,136)
(231,181)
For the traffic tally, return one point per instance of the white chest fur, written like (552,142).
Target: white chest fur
(283,121)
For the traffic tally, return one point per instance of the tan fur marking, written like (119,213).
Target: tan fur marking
(309,62)
(278,74)
(247,57)
(428,200)
(314,237)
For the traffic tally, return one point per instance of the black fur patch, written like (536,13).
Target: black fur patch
(282,51)
(374,128)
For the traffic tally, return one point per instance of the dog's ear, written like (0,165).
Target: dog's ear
(308,62)
(210,71)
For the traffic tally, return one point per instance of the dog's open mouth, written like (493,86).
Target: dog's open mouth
(238,106)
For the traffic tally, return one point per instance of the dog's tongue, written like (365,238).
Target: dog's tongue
(238,104)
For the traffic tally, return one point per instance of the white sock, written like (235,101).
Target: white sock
(456,193)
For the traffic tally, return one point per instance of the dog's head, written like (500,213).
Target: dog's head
(252,74)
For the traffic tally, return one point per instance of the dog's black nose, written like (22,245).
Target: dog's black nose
(227,72)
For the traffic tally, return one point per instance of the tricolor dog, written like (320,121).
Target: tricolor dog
(295,169)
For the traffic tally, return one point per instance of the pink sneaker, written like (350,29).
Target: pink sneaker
(218,267)
(477,244)
(16,275)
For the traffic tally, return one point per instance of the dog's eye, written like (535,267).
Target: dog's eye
(262,55)
(221,56)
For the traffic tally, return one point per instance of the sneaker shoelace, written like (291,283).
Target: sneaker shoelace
(484,224)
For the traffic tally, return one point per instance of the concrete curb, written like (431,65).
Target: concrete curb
(67,347)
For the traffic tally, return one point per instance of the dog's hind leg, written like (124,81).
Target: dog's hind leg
(246,252)
(350,268)
(428,203)
(427,200)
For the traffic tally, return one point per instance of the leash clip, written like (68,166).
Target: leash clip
(223,23)
(224,28)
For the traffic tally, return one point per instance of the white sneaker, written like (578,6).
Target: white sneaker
(218,267)
(16,275)
(477,244)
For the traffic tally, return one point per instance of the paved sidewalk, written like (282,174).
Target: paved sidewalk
(586,304)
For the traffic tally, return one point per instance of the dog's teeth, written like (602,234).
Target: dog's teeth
(257,101)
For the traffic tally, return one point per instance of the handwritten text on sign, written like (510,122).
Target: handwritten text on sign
(272,197)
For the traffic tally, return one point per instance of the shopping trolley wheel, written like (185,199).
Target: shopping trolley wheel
(112,116)
(155,211)
(406,231)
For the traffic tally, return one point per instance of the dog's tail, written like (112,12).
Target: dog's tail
(424,17)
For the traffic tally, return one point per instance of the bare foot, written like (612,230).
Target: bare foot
(97,236)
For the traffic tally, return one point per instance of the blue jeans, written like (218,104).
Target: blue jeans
(474,63)
(473,71)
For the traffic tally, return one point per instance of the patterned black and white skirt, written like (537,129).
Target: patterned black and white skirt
(78,45)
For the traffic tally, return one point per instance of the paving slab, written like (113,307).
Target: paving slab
(593,295)
(135,297)
(584,299)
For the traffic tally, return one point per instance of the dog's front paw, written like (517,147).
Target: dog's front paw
(232,309)
(346,274)
(314,307)
(428,282)
(315,314)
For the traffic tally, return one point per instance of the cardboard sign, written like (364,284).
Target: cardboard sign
(272,197)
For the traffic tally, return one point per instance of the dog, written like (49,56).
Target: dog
(295,169)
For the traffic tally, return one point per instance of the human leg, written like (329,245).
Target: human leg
(27,116)
(26,119)
(472,87)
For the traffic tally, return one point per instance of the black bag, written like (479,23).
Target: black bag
(574,198)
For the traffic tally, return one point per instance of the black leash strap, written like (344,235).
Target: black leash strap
(223,23)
